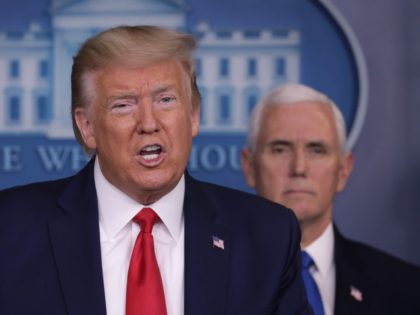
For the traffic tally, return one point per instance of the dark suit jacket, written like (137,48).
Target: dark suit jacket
(388,286)
(51,261)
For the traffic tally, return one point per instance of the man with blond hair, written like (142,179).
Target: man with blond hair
(132,233)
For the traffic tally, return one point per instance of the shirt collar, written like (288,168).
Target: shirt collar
(116,209)
(322,250)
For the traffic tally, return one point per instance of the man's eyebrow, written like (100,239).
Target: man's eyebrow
(317,143)
(287,143)
(280,142)
(123,97)
(163,88)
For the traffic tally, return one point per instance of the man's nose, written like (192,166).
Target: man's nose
(298,163)
(147,121)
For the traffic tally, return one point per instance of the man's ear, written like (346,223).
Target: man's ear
(84,123)
(195,119)
(248,166)
(346,168)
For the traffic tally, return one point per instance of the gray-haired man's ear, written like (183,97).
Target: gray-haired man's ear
(248,166)
(346,167)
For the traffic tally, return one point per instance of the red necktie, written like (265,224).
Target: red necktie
(145,294)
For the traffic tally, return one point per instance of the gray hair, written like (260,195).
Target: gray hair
(289,94)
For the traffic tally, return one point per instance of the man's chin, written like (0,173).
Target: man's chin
(301,204)
(303,213)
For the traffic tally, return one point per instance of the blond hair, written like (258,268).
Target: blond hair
(135,46)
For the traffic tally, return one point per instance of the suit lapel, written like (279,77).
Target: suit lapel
(350,297)
(76,246)
(206,265)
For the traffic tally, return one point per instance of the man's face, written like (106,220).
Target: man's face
(141,123)
(297,160)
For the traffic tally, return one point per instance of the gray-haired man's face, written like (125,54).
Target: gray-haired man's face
(297,160)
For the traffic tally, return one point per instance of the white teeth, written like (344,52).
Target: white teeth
(150,156)
(151,148)
(151,152)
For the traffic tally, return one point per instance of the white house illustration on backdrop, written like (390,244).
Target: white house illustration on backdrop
(234,67)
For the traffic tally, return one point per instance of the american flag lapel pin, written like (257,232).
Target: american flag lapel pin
(218,242)
(356,294)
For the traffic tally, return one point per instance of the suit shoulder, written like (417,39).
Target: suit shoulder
(377,258)
(44,187)
(25,198)
(244,199)
(38,191)
(240,206)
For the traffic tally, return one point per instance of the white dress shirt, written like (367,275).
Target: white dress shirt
(323,272)
(118,235)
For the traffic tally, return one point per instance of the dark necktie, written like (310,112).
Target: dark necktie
(145,294)
(312,290)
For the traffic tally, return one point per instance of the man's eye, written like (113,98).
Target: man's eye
(318,150)
(122,108)
(279,150)
(167,99)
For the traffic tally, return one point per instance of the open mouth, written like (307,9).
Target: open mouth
(151,152)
